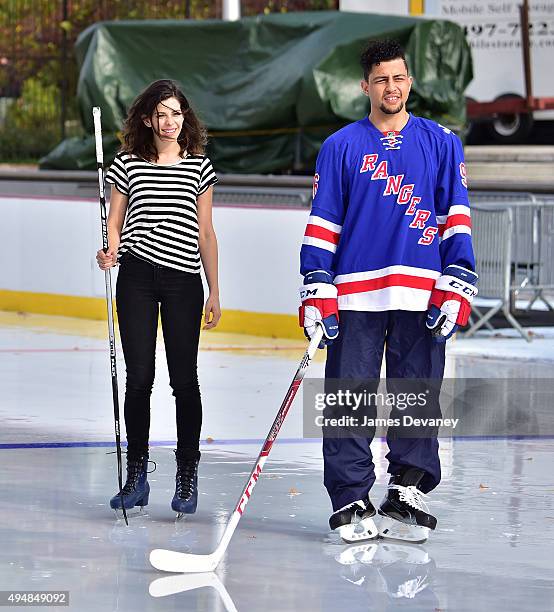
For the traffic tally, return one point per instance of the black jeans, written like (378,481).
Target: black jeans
(144,291)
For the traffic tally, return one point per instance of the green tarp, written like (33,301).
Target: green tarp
(270,89)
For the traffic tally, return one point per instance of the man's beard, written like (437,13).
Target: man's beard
(391,111)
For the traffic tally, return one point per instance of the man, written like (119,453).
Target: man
(387,261)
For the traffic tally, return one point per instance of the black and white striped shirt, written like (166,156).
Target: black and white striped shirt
(161,223)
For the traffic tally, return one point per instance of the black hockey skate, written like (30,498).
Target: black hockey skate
(136,490)
(186,485)
(403,513)
(354,522)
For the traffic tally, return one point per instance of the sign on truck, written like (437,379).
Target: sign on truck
(493,31)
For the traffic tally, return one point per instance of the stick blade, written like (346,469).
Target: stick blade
(182,563)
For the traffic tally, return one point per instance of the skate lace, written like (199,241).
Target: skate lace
(134,468)
(185,479)
(412,496)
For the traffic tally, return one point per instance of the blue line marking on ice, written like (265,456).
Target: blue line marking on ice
(231,442)
(215,442)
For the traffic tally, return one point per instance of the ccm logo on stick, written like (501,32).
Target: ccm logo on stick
(246,496)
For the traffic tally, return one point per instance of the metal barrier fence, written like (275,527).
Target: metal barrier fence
(513,239)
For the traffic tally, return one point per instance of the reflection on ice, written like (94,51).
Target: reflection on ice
(402,571)
(172,585)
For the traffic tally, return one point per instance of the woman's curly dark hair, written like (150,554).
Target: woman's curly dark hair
(138,138)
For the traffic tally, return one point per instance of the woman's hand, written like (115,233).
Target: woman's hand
(109,259)
(212,312)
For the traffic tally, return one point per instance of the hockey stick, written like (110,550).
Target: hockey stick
(171,561)
(96,114)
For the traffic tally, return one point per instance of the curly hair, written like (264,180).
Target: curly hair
(378,51)
(137,137)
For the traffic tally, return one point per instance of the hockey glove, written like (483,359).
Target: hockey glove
(450,303)
(319,306)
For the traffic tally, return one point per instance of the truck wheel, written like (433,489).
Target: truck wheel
(510,128)
(473,131)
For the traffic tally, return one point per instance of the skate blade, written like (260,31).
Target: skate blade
(364,530)
(135,512)
(392,529)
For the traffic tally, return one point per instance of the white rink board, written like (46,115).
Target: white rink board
(50,247)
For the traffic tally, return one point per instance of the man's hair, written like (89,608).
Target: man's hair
(378,51)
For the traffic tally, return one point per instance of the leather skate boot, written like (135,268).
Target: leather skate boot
(136,490)
(403,513)
(354,522)
(186,483)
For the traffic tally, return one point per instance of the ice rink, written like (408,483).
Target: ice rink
(492,549)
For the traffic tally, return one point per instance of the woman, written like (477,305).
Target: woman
(159,228)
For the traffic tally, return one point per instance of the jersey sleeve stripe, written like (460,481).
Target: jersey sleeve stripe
(459,209)
(320,244)
(454,221)
(323,234)
(454,211)
(320,222)
(457,229)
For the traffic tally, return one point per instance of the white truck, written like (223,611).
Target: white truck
(494,32)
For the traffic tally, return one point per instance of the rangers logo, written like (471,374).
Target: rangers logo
(463,174)
(315,185)
(392,140)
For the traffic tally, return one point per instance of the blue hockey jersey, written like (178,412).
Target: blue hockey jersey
(390,212)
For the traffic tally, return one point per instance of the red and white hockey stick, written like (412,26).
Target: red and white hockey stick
(172,561)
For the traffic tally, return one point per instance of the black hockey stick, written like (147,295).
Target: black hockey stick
(96,114)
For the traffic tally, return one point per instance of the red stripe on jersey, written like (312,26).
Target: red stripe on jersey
(391,280)
(316,231)
(454,220)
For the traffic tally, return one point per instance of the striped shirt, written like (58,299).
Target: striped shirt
(161,222)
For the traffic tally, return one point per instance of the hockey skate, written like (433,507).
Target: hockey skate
(186,485)
(354,522)
(403,514)
(136,491)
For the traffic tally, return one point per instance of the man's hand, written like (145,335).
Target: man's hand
(319,306)
(450,303)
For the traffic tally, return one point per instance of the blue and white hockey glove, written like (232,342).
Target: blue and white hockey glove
(319,306)
(450,303)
